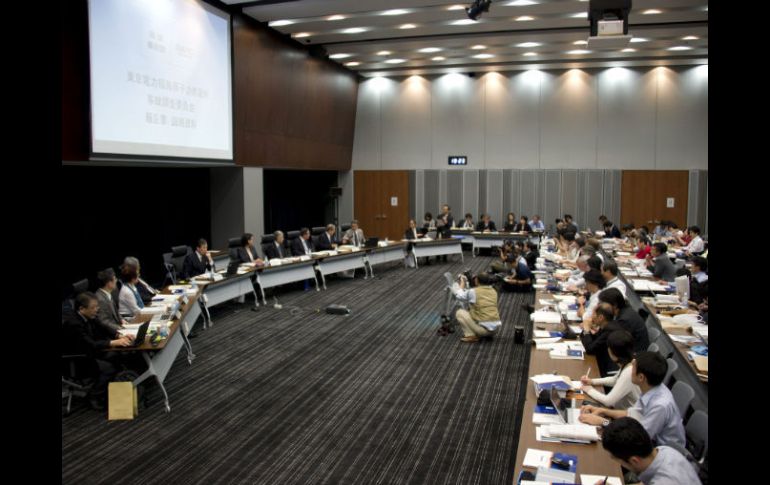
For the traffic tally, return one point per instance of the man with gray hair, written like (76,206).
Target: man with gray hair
(275,250)
(327,241)
(354,235)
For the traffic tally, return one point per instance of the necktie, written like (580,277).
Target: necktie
(355,238)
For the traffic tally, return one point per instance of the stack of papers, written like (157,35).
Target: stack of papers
(579,432)
(541,334)
(547,343)
(647,285)
(567,350)
(547,381)
(537,458)
(545,317)
(567,298)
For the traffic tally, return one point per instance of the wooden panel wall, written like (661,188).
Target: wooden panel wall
(644,194)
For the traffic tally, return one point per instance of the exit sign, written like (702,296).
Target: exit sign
(458,160)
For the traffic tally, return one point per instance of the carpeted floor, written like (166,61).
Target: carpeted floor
(296,396)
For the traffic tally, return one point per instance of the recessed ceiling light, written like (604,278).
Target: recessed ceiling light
(463,22)
(340,56)
(301,35)
(628,49)
(479,47)
(529,44)
(429,50)
(524,18)
(354,30)
(580,42)
(395,11)
(690,37)
(483,56)
(352,64)
(530,54)
(680,48)
(579,51)
(520,3)
(638,39)
(438,58)
(395,61)
(279,23)
(651,11)
(407,26)
(383,53)
(336,17)
(581,15)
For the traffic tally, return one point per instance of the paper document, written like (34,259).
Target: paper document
(537,458)
(571,431)
(545,317)
(592,479)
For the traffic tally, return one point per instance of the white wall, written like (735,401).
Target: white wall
(617,118)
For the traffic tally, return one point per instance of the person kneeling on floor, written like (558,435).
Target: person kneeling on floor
(482,319)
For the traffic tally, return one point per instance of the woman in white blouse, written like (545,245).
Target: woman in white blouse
(129,303)
(624,393)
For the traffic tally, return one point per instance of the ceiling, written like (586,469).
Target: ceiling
(406,37)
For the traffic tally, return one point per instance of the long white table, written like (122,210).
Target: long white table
(286,273)
(232,286)
(341,262)
(436,247)
(385,254)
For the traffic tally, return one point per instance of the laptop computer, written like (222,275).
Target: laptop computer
(371,242)
(141,334)
(568,415)
(232,267)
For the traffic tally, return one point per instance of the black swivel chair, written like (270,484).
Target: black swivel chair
(317,231)
(232,247)
(176,265)
(344,227)
(290,237)
(267,241)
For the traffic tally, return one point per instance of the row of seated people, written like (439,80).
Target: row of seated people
(639,404)
(486,224)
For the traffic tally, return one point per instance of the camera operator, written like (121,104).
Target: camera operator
(483,318)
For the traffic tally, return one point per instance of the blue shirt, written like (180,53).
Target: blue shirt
(537,226)
(669,468)
(657,412)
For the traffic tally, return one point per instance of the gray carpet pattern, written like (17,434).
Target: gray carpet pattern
(297,396)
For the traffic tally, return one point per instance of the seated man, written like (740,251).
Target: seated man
(83,334)
(275,250)
(696,245)
(569,221)
(595,335)
(656,409)
(595,283)
(302,245)
(412,232)
(468,222)
(700,279)
(531,254)
(611,230)
(523,225)
(610,273)
(483,318)
(630,445)
(327,241)
(660,264)
(354,235)
(108,309)
(536,224)
(486,224)
(507,257)
(521,278)
(627,318)
(197,262)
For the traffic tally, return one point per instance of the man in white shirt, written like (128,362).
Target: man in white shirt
(610,272)
(595,283)
(696,245)
(630,445)
(354,235)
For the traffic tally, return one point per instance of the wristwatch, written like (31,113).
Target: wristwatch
(605,422)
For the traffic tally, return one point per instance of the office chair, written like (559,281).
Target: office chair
(644,314)
(267,239)
(697,434)
(168,268)
(68,304)
(654,333)
(672,367)
(232,247)
(683,395)
(290,237)
(176,265)
(344,227)
(653,348)
(317,231)
(73,384)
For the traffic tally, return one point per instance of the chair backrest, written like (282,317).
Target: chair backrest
(643,313)
(168,266)
(314,240)
(79,287)
(178,253)
(672,367)
(653,347)
(449,280)
(697,432)
(344,227)
(683,396)
(267,239)
(292,235)
(654,333)
(316,231)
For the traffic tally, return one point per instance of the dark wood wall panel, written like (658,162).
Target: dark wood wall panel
(644,194)
(291,110)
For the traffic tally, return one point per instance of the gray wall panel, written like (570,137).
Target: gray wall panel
(431,199)
(483,191)
(593,199)
(346,202)
(471,193)
(454,196)
(419,196)
(569,194)
(507,190)
(413,195)
(495,194)
(552,208)
(442,189)
(253,200)
(516,194)
(528,193)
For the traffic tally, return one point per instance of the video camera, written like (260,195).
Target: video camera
(469,278)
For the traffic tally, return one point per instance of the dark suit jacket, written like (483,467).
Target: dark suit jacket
(596,344)
(630,320)
(296,246)
(408,234)
(613,232)
(531,258)
(520,228)
(324,243)
(243,256)
(446,229)
(193,266)
(508,227)
(481,227)
(85,337)
(274,250)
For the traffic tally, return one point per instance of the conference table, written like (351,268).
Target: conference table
(392,251)
(490,240)
(422,248)
(160,357)
(329,262)
(592,458)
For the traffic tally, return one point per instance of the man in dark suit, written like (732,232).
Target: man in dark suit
(327,240)
(275,249)
(627,317)
(198,262)
(83,334)
(302,245)
(486,224)
(444,225)
(108,310)
(594,336)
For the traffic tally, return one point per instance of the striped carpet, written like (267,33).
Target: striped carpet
(296,396)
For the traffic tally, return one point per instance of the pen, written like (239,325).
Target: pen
(605,480)
(588,372)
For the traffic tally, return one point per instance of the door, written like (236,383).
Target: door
(647,195)
(381,202)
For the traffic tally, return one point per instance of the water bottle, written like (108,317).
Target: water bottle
(163,330)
